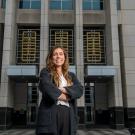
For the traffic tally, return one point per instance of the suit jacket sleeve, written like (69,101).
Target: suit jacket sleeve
(76,90)
(46,85)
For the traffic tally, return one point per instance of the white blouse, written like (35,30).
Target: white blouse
(63,83)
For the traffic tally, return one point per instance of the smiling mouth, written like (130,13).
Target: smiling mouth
(59,60)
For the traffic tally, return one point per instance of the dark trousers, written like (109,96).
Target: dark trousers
(63,120)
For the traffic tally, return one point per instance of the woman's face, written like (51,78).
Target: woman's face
(58,57)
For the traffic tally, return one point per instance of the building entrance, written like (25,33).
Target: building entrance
(25,104)
(96,103)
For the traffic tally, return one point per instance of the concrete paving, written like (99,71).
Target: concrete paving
(79,132)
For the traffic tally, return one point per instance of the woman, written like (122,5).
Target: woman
(57,114)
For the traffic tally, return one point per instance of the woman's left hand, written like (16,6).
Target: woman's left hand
(63,97)
(63,90)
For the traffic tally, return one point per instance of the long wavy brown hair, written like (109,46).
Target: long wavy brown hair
(52,69)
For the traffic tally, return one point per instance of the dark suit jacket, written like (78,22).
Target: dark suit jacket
(46,120)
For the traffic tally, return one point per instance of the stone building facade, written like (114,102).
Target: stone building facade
(99,36)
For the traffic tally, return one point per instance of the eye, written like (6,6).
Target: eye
(54,54)
(61,53)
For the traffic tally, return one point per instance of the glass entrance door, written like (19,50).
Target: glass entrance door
(89,103)
(31,114)
(32,104)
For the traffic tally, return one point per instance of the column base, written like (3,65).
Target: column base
(117,117)
(129,115)
(81,117)
(5,117)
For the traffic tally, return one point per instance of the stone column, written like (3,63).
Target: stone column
(116,101)
(127,13)
(44,31)
(1,46)
(0,3)
(6,91)
(79,53)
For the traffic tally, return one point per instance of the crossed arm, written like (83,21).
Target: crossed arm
(65,94)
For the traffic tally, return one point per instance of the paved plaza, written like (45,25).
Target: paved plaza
(80,132)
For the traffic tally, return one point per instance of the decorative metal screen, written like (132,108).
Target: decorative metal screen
(94,46)
(64,38)
(28,46)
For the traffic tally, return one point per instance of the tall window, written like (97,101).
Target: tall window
(30,4)
(63,37)
(93,5)
(1,44)
(3,3)
(94,46)
(118,5)
(28,45)
(61,4)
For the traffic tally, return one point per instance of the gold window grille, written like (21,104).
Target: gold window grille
(94,46)
(28,46)
(63,38)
